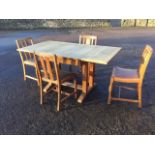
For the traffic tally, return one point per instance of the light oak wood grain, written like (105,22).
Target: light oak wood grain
(82,55)
(27,58)
(135,76)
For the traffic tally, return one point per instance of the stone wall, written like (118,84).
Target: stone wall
(151,23)
(6,24)
(138,23)
(23,24)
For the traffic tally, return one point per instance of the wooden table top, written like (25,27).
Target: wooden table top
(89,53)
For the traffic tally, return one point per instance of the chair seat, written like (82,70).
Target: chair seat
(29,62)
(123,74)
(64,76)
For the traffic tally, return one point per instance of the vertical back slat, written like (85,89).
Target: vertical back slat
(43,65)
(88,39)
(49,68)
(56,67)
(49,71)
(23,43)
(146,55)
(26,42)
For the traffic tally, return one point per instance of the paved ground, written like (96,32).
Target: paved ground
(20,112)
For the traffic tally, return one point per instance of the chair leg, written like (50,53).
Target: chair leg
(139,89)
(75,89)
(110,91)
(59,97)
(24,72)
(41,93)
(37,75)
(60,67)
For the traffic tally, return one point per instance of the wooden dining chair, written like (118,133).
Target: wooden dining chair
(88,40)
(27,58)
(135,76)
(54,78)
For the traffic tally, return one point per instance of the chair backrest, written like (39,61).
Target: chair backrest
(23,43)
(145,58)
(88,39)
(47,67)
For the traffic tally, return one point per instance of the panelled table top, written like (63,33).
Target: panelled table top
(89,53)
